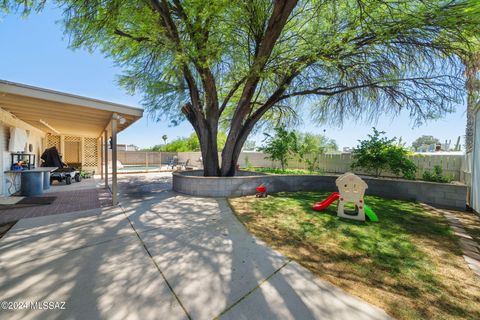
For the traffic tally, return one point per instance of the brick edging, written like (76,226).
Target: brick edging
(470,248)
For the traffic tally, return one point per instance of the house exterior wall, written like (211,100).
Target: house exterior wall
(10,183)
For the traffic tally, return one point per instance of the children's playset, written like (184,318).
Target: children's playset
(261,191)
(351,189)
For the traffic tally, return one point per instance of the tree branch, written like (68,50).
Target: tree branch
(166,21)
(121,33)
(231,93)
(208,79)
(276,23)
(341,88)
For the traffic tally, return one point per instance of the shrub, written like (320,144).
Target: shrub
(280,146)
(436,175)
(285,171)
(248,164)
(378,153)
(312,164)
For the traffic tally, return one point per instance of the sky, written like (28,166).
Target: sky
(34,51)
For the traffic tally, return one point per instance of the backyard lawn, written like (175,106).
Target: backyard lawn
(408,264)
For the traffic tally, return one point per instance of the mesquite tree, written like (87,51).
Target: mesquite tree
(237,63)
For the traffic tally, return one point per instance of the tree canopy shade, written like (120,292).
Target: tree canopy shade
(241,62)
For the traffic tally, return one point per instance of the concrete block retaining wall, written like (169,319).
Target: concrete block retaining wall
(437,194)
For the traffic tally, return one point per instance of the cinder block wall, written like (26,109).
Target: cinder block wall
(437,194)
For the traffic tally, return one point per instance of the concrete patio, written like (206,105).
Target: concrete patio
(160,255)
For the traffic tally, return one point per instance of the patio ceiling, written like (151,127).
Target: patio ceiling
(61,113)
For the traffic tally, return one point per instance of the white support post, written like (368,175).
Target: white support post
(102,157)
(114,160)
(105,148)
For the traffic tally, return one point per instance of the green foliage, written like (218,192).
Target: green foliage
(248,164)
(378,153)
(241,64)
(349,55)
(187,144)
(312,163)
(311,143)
(83,173)
(280,146)
(190,143)
(436,175)
(424,140)
(285,171)
(310,146)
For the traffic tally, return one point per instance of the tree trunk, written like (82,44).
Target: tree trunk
(228,160)
(231,152)
(208,145)
(469,130)
(472,65)
(207,135)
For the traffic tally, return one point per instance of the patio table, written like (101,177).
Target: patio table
(34,181)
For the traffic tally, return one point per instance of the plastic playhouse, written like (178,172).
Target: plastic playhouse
(351,189)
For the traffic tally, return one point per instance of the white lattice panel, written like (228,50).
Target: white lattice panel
(53,141)
(72,139)
(90,149)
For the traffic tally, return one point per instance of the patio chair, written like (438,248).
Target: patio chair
(187,167)
(173,162)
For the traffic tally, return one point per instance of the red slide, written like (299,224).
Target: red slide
(319,206)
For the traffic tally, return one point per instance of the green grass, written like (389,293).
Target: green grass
(284,171)
(408,263)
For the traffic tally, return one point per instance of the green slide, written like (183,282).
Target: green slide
(370,214)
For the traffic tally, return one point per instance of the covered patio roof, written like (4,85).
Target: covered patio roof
(63,113)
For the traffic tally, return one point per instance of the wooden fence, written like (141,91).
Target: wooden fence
(453,165)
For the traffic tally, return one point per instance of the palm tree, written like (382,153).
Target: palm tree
(472,84)
(164,138)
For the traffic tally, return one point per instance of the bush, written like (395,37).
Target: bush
(187,144)
(378,153)
(280,146)
(285,171)
(312,164)
(248,164)
(436,175)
